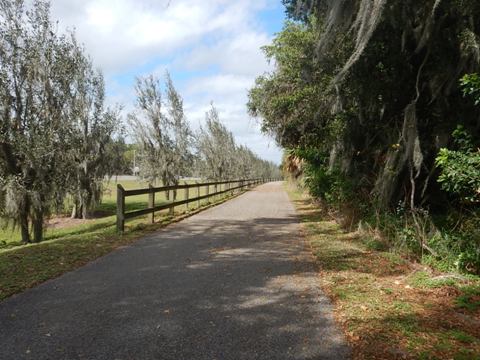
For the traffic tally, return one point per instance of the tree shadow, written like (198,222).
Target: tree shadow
(80,230)
(199,289)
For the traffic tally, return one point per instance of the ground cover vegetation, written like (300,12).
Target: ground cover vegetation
(377,105)
(389,307)
(59,141)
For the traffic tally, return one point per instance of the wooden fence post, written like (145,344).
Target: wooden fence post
(151,202)
(198,194)
(171,210)
(221,187)
(120,208)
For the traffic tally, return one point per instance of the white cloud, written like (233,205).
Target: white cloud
(239,53)
(121,33)
(220,85)
(132,37)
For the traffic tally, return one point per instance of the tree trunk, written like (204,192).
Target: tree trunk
(75,210)
(38,226)
(80,209)
(24,228)
(85,214)
(23,219)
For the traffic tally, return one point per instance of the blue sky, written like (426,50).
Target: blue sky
(210,47)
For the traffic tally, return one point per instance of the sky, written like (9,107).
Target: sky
(210,47)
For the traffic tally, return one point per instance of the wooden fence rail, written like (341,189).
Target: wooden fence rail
(220,187)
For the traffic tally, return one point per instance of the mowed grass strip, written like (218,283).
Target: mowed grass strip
(389,307)
(104,214)
(22,267)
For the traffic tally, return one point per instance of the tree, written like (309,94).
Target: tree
(220,158)
(122,156)
(216,148)
(373,87)
(93,155)
(35,82)
(164,138)
(181,134)
(55,135)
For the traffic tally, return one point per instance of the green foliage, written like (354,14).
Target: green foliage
(469,299)
(456,250)
(163,134)
(55,134)
(368,87)
(220,158)
(298,9)
(471,86)
(460,176)
(287,100)
(460,169)
(327,184)
(460,173)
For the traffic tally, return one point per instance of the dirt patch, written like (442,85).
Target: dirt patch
(66,222)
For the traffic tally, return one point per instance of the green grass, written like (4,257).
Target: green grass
(104,212)
(24,266)
(470,297)
(10,237)
(137,202)
(385,303)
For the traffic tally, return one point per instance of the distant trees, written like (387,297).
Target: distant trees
(220,158)
(168,149)
(216,149)
(123,156)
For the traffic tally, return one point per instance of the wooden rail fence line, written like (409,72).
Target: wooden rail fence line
(228,186)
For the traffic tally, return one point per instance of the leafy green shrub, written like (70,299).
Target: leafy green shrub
(460,169)
(470,84)
(460,176)
(373,243)
(456,250)
(329,185)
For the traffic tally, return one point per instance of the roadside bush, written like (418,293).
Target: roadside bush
(460,169)
(329,185)
(460,177)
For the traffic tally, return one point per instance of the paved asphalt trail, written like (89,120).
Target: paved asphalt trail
(233,282)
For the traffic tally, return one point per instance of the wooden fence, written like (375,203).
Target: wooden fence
(219,187)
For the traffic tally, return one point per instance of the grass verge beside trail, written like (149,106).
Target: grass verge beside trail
(388,307)
(103,216)
(23,267)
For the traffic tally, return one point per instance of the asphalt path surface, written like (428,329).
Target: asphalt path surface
(233,282)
